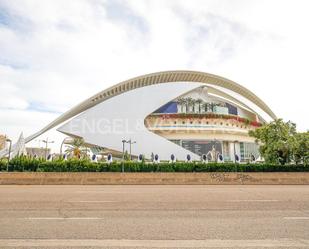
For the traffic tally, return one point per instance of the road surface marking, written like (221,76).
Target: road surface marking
(62,218)
(91,201)
(105,192)
(211,243)
(296,218)
(253,200)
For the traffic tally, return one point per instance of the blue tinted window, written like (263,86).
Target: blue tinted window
(170,107)
(232,109)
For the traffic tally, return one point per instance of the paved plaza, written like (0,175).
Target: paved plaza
(154,216)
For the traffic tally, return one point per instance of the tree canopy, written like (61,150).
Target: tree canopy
(77,148)
(281,143)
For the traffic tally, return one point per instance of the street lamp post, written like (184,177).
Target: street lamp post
(9,158)
(130,142)
(123,142)
(62,145)
(46,144)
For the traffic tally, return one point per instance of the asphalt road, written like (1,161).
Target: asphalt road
(154,216)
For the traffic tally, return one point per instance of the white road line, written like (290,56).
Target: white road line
(296,218)
(91,201)
(62,218)
(104,192)
(267,243)
(253,200)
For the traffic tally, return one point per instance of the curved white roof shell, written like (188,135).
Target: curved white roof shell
(198,78)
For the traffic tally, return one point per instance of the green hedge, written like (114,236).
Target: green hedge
(73,165)
(3,165)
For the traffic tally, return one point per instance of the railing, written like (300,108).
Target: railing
(205,116)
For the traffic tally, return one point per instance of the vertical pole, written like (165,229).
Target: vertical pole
(122,168)
(61,147)
(46,148)
(130,148)
(9,158)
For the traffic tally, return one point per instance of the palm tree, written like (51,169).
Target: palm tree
(205,106)
(212,106)
(181,102)
(189,102)
(77,148)
(193,102)
(199,102)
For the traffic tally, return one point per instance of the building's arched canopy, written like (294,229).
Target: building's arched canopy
(152,79)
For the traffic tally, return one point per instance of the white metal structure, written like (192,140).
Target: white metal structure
(132,100)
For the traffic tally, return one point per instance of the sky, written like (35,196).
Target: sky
(56,53)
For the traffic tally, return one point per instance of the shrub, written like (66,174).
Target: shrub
(165,167)
(23,163)
(102,167)
(3,164)
(147,167)
(132,167)
(114,167)
(184,167)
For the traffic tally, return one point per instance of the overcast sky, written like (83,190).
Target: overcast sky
(56,53)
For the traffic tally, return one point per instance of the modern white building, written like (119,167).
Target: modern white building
(174,112)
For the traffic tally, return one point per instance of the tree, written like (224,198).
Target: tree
(301,150)
(77,148)
(278,141)
(205,106)
(193,102)
(212,106)
(199,102)
(181,102)
(189,102)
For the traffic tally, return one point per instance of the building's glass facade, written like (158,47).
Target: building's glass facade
(247,150)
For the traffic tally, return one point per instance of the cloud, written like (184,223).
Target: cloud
(54,54)
(215,36)
(121,12)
